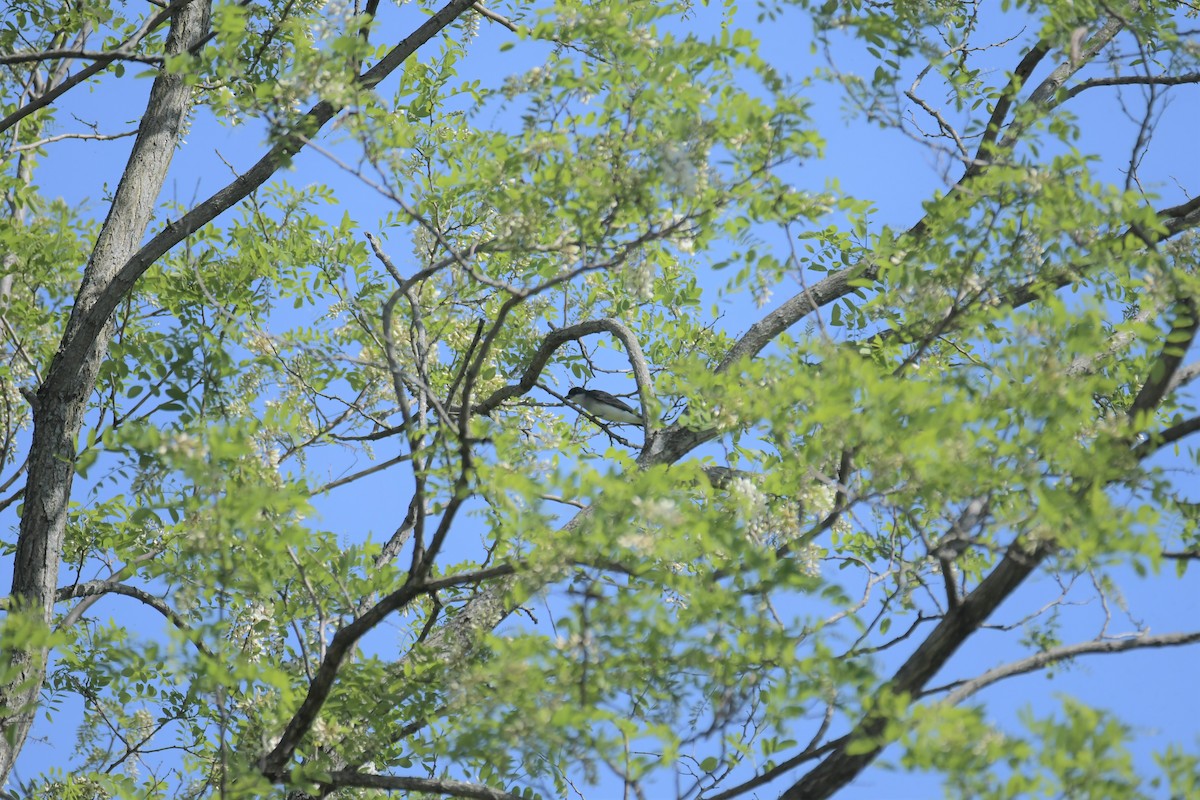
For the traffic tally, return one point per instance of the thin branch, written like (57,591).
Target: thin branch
(382,465)
(444,786)
(964,689)
(808,754)
(942,122)
(101,137)
(19,350)
(556,339)
(274,764)
(125,48)
(107,56)
(99,588)
(1133,80)
(488,14)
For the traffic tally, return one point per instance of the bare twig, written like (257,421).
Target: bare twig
(100,137)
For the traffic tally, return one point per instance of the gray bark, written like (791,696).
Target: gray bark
(115,266)
(62,397)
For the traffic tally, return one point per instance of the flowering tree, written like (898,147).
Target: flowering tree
(757,590)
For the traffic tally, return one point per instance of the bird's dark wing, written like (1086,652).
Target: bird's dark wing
(612,400)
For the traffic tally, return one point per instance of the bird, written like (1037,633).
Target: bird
(604,405)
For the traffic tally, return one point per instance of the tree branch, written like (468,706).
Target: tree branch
(964,619)
(1178,340)
(123,50)
(103,137)
(1133,80)
(954,628)
(62,396)
(839,284)
(107,56)
(444,786)
(1008,96)
(1156,441)
(95,313)
(99,588)
(556,339)
(109,276)
(273,764)
(964,689)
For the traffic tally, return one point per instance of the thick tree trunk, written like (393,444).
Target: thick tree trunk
(115,265)
(62,397)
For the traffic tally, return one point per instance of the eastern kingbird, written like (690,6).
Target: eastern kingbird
(604,405)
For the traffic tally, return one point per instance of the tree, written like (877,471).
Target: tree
(754,595)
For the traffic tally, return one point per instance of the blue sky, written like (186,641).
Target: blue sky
(1153,691)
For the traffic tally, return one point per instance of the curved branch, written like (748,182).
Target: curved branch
(794,309)
(964,689)
(556,339)
(1133,80)
(98,588)
(1157,441)
(1181,217)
